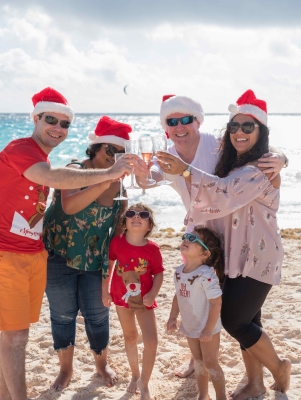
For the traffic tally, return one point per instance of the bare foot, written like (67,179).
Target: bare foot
(144,391)
(108,375)
(133,386)
(62,381)
(250,390)
(185,369)
(204,397)
(282,380)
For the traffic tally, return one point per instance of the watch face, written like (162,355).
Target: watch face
(186,173)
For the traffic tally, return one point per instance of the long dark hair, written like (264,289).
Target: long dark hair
(93,149)
(212,241)
(228,155)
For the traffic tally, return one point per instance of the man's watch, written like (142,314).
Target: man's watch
(186,173)
(286,162)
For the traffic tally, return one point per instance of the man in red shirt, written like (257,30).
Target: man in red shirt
(26,175)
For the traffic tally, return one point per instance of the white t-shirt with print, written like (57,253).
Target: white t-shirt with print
(194,290)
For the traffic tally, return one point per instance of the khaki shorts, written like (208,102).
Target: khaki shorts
(22,286)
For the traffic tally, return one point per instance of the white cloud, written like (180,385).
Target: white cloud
(105,46)
(211,63)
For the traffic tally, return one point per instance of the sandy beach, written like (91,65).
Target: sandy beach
(281,319)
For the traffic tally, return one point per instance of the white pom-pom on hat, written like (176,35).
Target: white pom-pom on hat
(232,108)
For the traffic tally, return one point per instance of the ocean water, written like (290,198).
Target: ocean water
(284,134)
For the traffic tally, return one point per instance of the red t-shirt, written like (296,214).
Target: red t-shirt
(138,262)
(22,202)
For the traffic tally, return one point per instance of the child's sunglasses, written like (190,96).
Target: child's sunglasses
(246,127)
(132,213)
(111,150)
(192,238)
(184,120)
(49,119)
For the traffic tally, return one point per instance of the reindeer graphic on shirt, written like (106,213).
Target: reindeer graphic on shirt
(131,280)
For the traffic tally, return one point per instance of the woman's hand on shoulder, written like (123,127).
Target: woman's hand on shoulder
(271,164)
(272,176)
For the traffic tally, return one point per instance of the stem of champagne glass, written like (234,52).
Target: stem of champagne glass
(132,178)
(120,189)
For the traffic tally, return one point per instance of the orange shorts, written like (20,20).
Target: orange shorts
(22,286)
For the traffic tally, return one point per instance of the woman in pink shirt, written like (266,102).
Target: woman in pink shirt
(240,203)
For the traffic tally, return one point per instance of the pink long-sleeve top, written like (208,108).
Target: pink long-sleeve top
(242,209)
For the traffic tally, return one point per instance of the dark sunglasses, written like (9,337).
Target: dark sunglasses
(132,213)
(111,150)
(246,127)
(191,237)
(49,119)
(184,120)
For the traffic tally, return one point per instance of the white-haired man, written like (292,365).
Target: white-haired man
(181,118)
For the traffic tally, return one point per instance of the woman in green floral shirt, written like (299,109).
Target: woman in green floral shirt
(78,227)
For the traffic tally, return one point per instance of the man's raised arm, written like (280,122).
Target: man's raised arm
(68,178)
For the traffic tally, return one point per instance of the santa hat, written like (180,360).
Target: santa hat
(180,104)
(110,131)
(49,100)
(248,104)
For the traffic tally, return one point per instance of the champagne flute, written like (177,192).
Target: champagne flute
(146,148)
(160,143)
(132,146)
(120,197)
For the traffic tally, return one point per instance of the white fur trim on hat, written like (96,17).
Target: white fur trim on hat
(183,105)
(248,109)
(111,139)
(49,106)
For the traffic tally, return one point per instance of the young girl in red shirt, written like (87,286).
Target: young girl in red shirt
(133,282)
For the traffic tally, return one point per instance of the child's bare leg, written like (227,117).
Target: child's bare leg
(201,373)
(147,322)
(255,385)
(210,357)
(128,324)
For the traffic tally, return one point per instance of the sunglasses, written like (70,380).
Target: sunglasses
(184,120)
(141,214)
(49,119)
(111,150)
(246,127)
(192,238)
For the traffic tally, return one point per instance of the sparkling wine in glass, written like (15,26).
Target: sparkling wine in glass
(132,146)
(160,144)
(146,149)
(120,197)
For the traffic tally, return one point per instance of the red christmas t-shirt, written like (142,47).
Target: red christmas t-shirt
(134,270)
(22,202)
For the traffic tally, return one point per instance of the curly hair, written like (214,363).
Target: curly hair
(93,149)
(212,241)
(141,206)
(228,155)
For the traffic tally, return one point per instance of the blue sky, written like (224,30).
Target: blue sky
(209,50)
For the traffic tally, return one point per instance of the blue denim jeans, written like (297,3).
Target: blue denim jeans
(69,290)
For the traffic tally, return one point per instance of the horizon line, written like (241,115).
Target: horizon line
(142,113)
